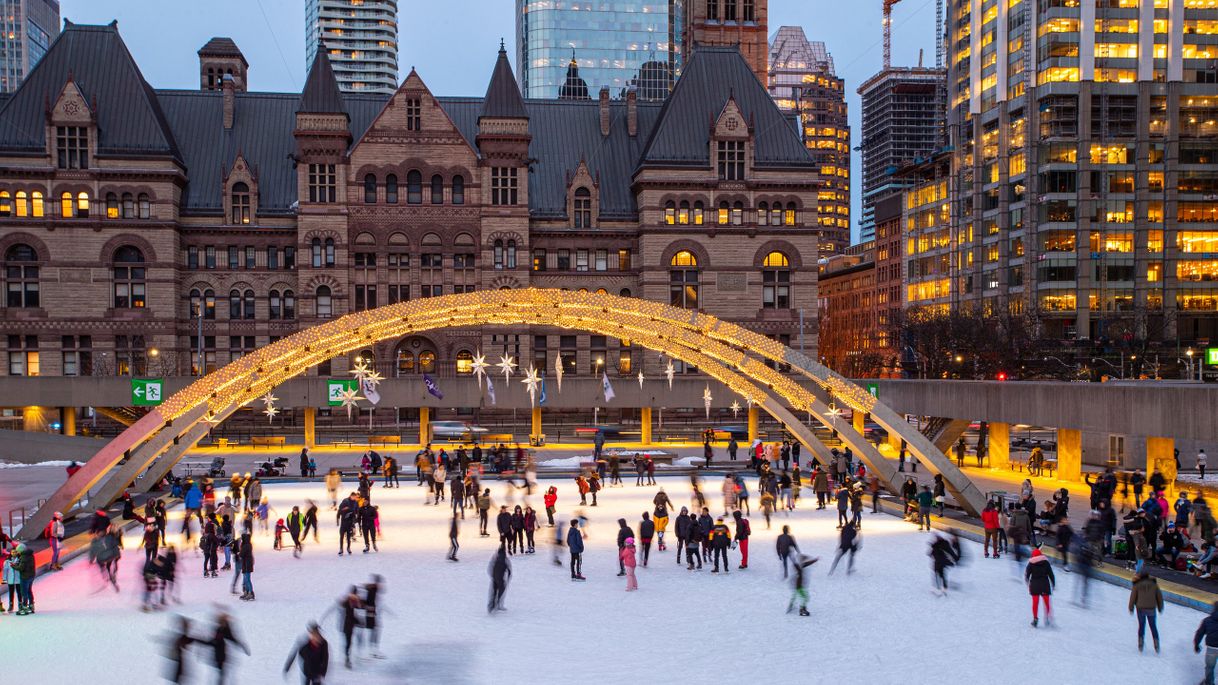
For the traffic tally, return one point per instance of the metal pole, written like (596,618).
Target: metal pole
(801,330)
(202,301)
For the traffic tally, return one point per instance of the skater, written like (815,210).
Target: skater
(348,619)
(705,525)
(694,538)
(54,534)
(800,591)
(594,486)
(647,530)
(575,545)
(503,524)
(372,592)
(1208,630)
(223,635)
(943,557)
(682,531)
(314,655)
(295,525)
(500,571)
(743,530)
(581,484)
(550,499)
(989,520)
(348,512)
(721,540)
(940,490)
(1147,599)
(530,527)
(516,536)
(247,567)
(179,642)
(333,480)
(820,485)
(484,510)
(786,545)
(626,556)
(623,533)
(457,492)
(310,521)
(926,502)
(1039,577)
(848,543)
(843,502)
(454,530)
(367,524)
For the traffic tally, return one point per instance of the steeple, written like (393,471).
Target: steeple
(321,94)
(575,88)
(503,100)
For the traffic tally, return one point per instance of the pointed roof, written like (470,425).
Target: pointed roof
(503,99)
(222,46)
(321,94)
(575,87)
(129,116)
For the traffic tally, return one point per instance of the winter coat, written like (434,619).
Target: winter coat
(347,511)
(627,556)
(314,659)
(843,499)
(1209,630)
(989,519)
(821,482)
(550,499)
(705,524)
(849,533)
(720,536)
(785,544)
(942,553)
(504,523)
(575,541)
(1146,595)
(194,498)
(1039,576)
(743,530)
(926,500)
(247,556)
(683,525)
(367,516)
(517,522)
(1183,509)
(623,532)
(693,534)
(647,529)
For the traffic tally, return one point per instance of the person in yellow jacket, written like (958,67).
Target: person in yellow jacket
(720,540)
(660,516)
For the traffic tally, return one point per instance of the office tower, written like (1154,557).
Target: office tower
(730,23)
(802,81)
(361,40)
(27,28)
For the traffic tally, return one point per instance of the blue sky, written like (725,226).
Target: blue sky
(453,42)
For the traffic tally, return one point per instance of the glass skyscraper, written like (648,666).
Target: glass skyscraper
(27,28)
(361,38)
(616,43)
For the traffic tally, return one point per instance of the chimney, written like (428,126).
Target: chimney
(230,100)
(632,112)
(604,110)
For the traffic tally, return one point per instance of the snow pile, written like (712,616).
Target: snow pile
(18,465)
(565,463)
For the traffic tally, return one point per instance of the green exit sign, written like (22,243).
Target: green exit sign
(146,392)
(874,390)
(1211,356)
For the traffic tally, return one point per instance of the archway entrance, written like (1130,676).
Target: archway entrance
(724,351)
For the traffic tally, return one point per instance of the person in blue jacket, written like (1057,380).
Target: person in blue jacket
(193,502)
(575,545)
(1209,631)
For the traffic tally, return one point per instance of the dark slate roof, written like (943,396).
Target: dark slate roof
(321,94)
(129,119)
(711,76)
(221,46)
(503,95)
(261,132)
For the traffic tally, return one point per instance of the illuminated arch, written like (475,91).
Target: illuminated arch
(726,352)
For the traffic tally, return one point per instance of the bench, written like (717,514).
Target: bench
(495,438)
(342,443)
(226,442)
(384,440)
(192,467)
(268,441)
(675,438)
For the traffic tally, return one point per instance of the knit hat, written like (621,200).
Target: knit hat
(1037,553)
(629,542)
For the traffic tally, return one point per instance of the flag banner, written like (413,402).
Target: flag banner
(609,394)
(542,399)
(370,392)
(490,388)
(432,387)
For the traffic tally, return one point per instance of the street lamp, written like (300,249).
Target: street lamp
(1189,352)
(1119,369)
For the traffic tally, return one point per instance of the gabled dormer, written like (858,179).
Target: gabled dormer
(731,143)
(323,133)
(503,137)
(412,112)
(240,193)
(583,197)
(71,129)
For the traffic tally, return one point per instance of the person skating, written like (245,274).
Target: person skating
(989,521)
(842,497)
(516,536)
(623,532)
(530,527)
(550,499)
(54,534)
(767,507)
(247,567)
(705,525)
(627,558)
(484,510)
(594,486)
(743,531)
(348,512)
(347,609)
(1146,598)
(721,540)
(23,558)
(179,642)
(856,505)
(799,585)
(848,543)
(295,526)
(693,539)
(943,556)
(367,523)
(209,545)
(333,480)
(500,571)
(456,491)
(454,531)
(682,531)
(785,545)
(647,530)
(1039,577)
(660,515)
(820,485)
(575,545)
(1208,630)
(310,521)
(503,525)
(314,655)
(926,503)
(224,634)
(940,492)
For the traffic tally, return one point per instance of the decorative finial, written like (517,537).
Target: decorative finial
(502,48)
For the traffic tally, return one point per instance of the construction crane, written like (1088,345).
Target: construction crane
(888,32)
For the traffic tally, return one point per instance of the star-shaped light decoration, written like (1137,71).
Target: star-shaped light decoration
(508,365)
(640,380)
(271,412)
(669,372)
(706,400)
(373,378)
(833,413)
(735,408)
(480,366)
(558,370)
(348,399)
(360,369)
(531,381)
(210,419)
(269,399)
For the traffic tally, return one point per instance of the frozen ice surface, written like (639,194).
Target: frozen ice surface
(880,625)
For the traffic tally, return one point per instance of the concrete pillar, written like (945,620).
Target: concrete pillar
(1160,454)
(1000,445)
(859,420)
(754,412)
(424,425)
(535,433)
(310,427)
(645,424)
(894,441)
(67,417)
(1069,454)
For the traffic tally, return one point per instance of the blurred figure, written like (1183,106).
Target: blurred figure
(848,543)
(500,571)
(179,641)
(454,530)
(799,590)
(223,635)
(785,545)
(314,654)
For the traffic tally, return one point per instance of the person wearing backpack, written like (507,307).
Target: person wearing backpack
(743,530)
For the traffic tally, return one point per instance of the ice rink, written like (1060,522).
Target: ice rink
(880,625)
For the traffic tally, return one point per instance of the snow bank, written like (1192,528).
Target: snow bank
(16,465)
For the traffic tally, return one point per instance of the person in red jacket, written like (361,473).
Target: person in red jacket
(989,519)
(550,498)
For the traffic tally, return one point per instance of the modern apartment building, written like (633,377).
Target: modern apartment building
(1084,139)
(27,28)
(802,81)
(360,38)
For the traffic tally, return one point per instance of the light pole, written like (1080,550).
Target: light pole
(1189,352)
(1120,369)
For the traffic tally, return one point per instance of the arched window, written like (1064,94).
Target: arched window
(37,207)
(724,211)
(276,304)
(209,304)
(583,208)
(458,190)
(405,361)
(111,206)
(437,189)
(670,213)
(788,217)
(67,205)
(624,292)
(6,203)
(776,281)
(699,213)
(128,206)
(289,304)
(366,357)
(325,307)
(776,214)
(196,301)
(316,245)
(465,363)
(391,189)
(130,276)
(427,361)
(145,206)
(370,189)
(763,214)
(497,252)
(329,252)
(511,254)
(683,282)
(82,205)
(414,187)
(738,214)
(234,304)
(249,304)
(21,276)
(683,213)
(23,204)
(240,203)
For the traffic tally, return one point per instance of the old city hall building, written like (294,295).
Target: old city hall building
(143,230)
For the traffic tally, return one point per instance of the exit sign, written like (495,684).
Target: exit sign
(874,390)
(1211,356)
(146,392)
